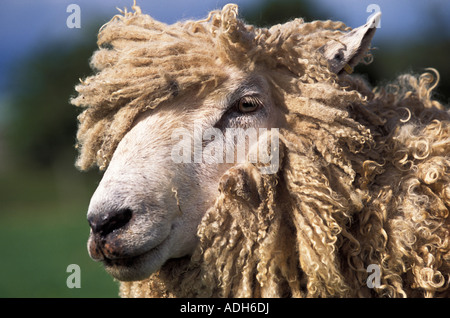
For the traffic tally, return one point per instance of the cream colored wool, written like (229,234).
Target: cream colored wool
(364,173)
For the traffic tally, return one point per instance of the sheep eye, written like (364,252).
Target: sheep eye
(248,104)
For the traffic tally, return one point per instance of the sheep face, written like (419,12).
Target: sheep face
(168,118)
(153,194)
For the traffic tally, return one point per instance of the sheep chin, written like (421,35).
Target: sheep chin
(138,267)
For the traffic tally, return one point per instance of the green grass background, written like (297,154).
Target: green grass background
(43,229)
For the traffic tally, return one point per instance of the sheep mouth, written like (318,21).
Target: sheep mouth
(127,265)
(126,261)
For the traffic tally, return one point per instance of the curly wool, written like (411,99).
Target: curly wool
(364,173)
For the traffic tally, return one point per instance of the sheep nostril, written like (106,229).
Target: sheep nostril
(105,223)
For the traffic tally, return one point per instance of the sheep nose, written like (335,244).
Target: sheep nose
(106,222)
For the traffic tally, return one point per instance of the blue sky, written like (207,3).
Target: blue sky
(26,25)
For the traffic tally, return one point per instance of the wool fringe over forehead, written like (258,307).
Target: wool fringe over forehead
(364,173)
(142,63)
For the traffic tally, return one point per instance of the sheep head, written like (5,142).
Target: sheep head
(161,113)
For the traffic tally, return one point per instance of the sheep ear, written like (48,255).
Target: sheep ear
(346,52)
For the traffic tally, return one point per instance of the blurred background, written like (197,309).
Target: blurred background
(44,199)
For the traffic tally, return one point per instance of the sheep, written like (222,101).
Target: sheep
(362,181)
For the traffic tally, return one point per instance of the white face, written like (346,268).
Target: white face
(151,199)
